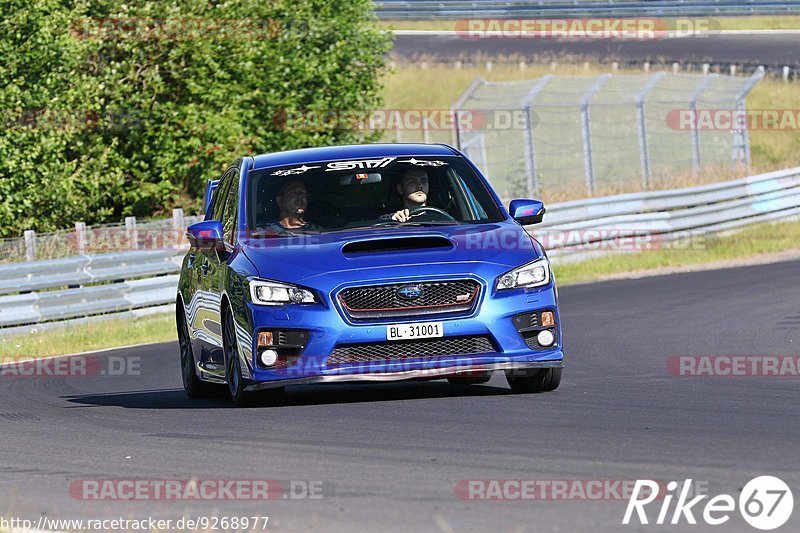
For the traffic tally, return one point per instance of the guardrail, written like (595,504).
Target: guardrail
(33,293)
(86,270)
(456,9)
(576,230)
(138,282)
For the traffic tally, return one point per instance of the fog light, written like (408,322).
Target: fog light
(547,319)
(545,337)
(269,357)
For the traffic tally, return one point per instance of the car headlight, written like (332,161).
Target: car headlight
(533,274)
(272,293)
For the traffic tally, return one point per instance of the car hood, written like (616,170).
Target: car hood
(485,250)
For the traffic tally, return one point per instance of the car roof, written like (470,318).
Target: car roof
(352,151)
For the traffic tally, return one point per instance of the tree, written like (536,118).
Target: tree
(165,95)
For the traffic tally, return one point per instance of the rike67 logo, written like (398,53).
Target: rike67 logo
(766,503)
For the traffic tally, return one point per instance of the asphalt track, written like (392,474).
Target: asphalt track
(771,50)
(390,456)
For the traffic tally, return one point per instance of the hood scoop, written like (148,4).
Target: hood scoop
(398,244)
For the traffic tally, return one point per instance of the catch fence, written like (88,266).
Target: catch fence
(573,136)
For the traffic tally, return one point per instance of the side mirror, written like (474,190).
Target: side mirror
(526,211)
(206,235)
(211,186)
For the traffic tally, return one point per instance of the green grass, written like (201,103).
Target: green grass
(774,149)
(780,22)
(85,337)
(751,243)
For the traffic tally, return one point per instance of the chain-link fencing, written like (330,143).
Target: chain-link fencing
(572,136)
(153,234)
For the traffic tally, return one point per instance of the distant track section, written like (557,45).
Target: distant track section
(455,9)
(768,49)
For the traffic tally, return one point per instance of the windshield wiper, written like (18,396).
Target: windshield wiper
(432,223)
(394,223)
(383,224)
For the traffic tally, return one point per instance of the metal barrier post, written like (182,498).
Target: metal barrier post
(586,131)
(178,227)
(695,131)
(178,219)
(80,237)
(530,151)
(456,107)
(743,134)
(133,235)
(642,120)
(30,245)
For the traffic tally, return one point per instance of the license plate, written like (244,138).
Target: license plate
(419,330)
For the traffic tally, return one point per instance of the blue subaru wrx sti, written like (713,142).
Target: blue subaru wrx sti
(379,262)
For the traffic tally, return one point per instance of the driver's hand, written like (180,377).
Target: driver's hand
(401,216)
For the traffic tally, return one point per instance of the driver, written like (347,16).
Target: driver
(292,201)
(413,188)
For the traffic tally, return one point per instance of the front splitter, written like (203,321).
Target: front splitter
(404,375)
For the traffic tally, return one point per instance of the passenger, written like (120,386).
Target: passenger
(292,201)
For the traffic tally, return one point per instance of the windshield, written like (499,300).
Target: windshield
(355,194)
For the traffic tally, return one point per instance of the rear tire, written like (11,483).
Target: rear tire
(541,380)
(193,386)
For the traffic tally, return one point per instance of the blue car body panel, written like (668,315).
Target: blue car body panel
(211,282)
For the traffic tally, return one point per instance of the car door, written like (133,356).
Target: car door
(206,321)
(218,261)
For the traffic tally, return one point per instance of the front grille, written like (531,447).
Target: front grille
(398,351)
(385,301)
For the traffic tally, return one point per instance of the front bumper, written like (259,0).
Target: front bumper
(328,327)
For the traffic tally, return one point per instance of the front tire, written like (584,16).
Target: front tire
(541,380)
(233,372)
(233,368)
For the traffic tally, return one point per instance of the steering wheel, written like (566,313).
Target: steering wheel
(430,210)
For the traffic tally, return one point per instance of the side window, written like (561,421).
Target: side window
(219,196)
(471,208)
(231,210)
